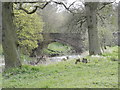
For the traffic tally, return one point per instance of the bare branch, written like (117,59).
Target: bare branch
(35,8)
(102,19)
(44,5)
(21,8)
(104,5)
(67,8)
(72,4)
(82,21)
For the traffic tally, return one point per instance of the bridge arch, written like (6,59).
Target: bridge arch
(74,40)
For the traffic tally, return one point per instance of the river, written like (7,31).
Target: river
(52,59)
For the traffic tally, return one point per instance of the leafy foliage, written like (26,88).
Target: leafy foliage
(29,27)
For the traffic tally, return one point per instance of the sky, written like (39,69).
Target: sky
(79,2)
(61,8)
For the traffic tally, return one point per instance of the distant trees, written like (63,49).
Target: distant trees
(51,18)
(107,24)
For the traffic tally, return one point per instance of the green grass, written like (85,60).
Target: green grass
(100,72)
(0,80)
(58,47)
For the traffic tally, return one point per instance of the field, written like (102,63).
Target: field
(99,72)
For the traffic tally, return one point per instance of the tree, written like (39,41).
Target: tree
(28,30)
(91,15)
(9,35)
(0,23)
(119,23)
(118,16)
(9,39)
(12,58)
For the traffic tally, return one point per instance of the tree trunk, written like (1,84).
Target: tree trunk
(119,42)
(94,45)
(43,44)
(0,23)
(9,37)
(119,24)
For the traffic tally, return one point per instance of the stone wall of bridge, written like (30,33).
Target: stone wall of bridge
(75,40)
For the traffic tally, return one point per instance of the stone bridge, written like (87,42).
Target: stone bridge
(73,39)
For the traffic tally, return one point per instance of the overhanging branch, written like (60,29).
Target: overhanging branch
(104,5)
(28,12)
(43,6)
(101,17)
(67,8)
(35,8)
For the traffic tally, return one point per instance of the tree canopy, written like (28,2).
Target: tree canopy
(29,28)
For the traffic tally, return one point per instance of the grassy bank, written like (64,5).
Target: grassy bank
(100,72)
(58,48)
